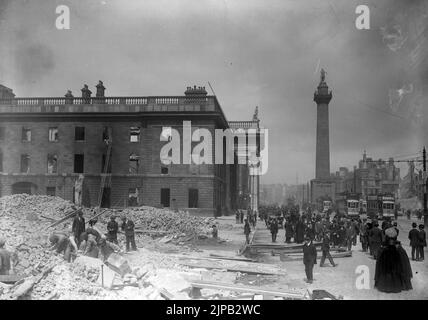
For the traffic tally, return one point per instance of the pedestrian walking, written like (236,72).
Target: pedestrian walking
(300,231)
(274,229)
(376,239)
(325,248)
(392,273)
(289,230)
(309,259)
(422,242)
(247,231)
(414,241)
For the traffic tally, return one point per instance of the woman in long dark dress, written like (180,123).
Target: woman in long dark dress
(393,271)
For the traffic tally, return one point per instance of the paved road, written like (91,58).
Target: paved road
(342,279)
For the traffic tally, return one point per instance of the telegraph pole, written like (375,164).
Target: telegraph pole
(424,154)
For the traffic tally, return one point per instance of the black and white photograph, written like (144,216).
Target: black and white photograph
(229,151)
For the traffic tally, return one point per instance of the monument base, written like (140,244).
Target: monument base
(323,188)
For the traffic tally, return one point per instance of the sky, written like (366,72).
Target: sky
(254,53)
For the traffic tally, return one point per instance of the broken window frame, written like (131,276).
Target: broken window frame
(134,158)
(26,134)
(133,193)
(49,191)
(193,201)
(53,134)
(27,158)
(163,168)
(134,132)
(55,166)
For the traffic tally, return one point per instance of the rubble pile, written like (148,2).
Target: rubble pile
(33,206)
(25,230)
(173,223)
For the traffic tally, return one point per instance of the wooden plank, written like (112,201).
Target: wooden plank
(68,216)
(246,289)
(11,278)
(242,269)
(216,256)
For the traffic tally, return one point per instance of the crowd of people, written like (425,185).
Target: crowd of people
(379,238)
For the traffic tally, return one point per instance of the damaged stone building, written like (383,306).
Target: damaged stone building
(109,149)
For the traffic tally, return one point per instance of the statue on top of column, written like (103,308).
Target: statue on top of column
(323,73)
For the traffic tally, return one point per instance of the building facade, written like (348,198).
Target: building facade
(115,144)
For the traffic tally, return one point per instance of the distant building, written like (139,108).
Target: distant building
(47,143)
(370,177)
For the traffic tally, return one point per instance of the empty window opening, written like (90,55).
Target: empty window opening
(51,191)
(53,134)
(165,197)
(164,170)
(52,163)
(193,198)
(26,135)
(134,163)
(25,163)
(134,134)
(79,133)
(78,163)
(133,197)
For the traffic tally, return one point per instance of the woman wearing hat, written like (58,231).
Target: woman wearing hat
(393,271)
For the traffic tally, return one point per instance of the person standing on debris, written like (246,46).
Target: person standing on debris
(112,229)
(128,227)
(247,231)
(78,226)
(422,242)
(274,229)
(309,259)
(215,231)
(414,241)
(5,255)
(325,248)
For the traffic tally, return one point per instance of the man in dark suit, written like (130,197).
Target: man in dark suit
(128,227)
(274,229)
(78,226)
(309,259)
(325,248)
(422,242)
(112,229)
(376,239)
(414,241)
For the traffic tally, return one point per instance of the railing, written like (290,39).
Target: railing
(55,101)
(243,124)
